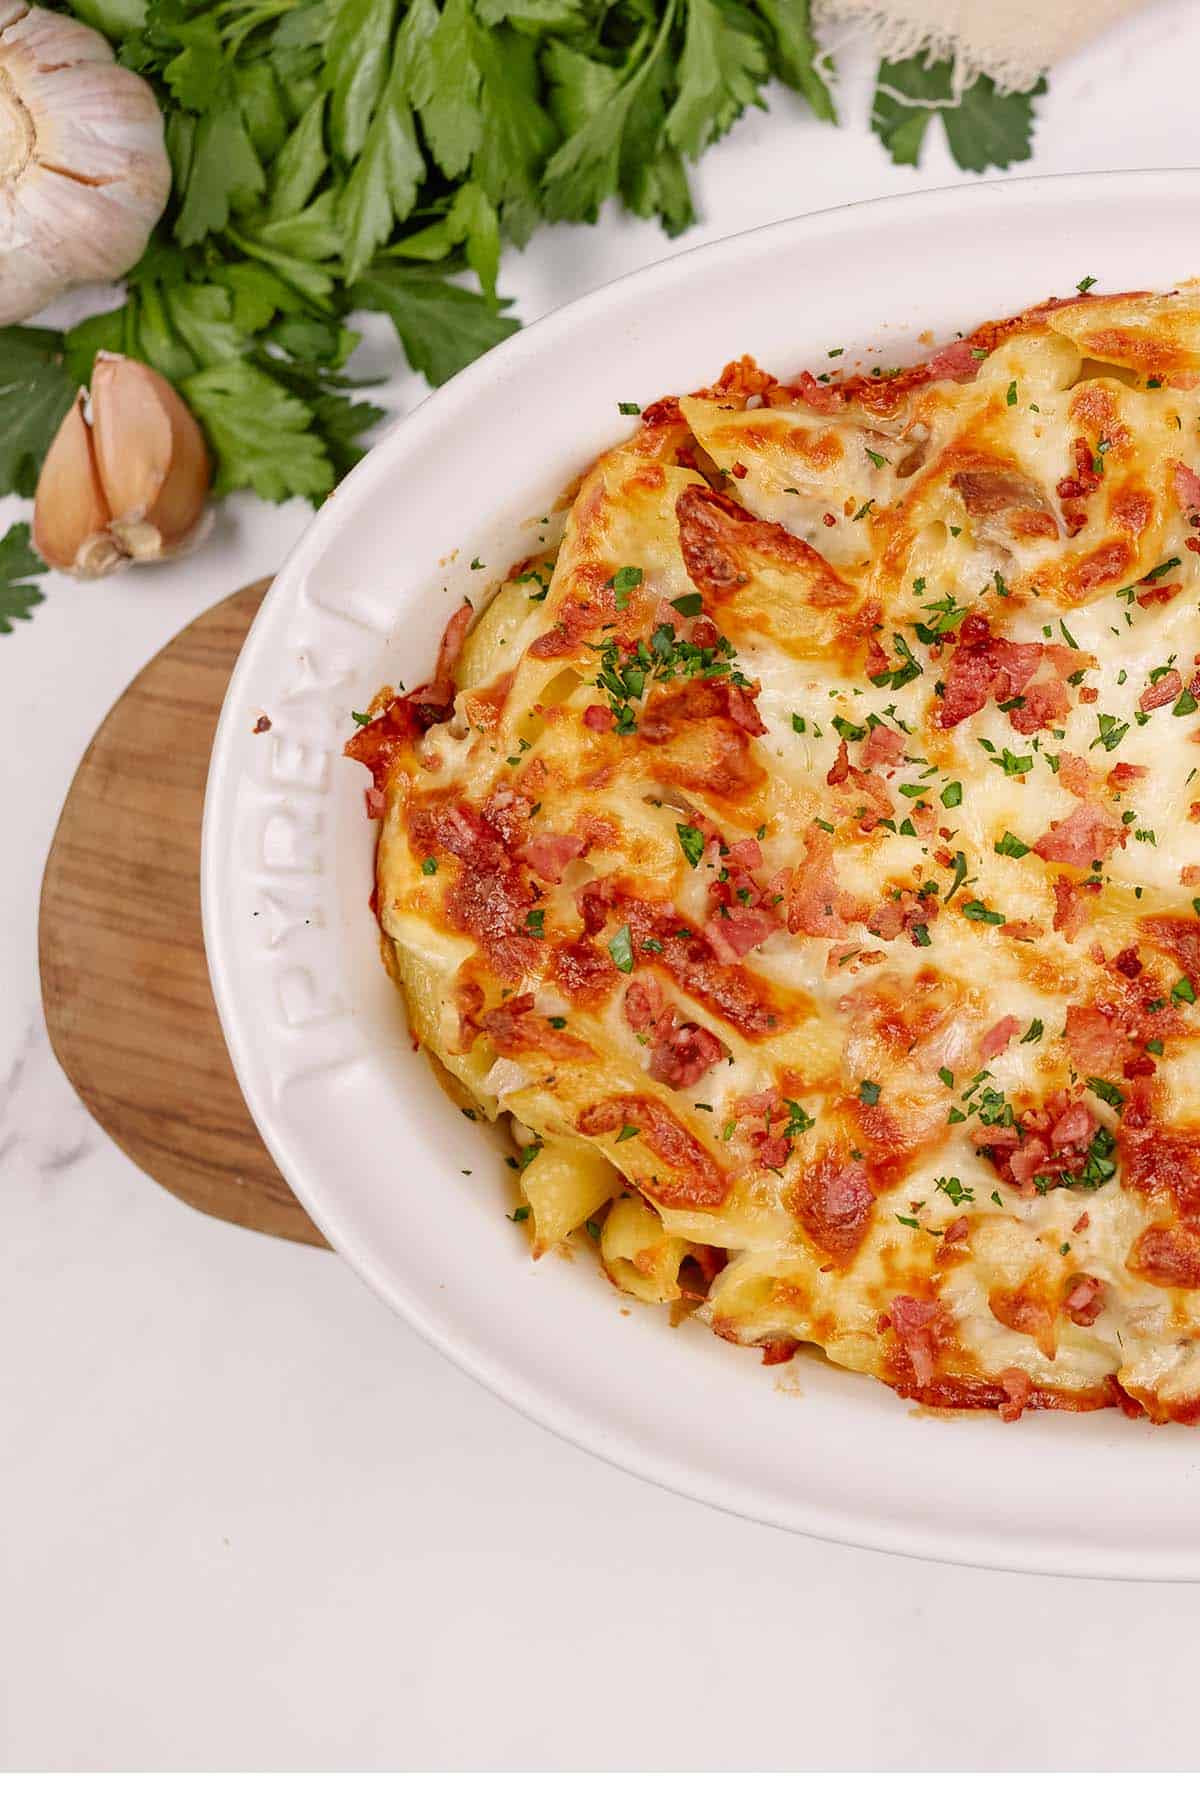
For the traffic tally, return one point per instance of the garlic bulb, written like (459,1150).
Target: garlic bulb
(83,171)
(128,485)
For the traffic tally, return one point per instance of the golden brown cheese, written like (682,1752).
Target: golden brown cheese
(805,857)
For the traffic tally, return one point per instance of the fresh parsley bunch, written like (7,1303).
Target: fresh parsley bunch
(330,155)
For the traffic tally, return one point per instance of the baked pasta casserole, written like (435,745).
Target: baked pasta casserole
(802,851)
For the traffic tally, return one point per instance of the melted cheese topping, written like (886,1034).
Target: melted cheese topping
(806,858)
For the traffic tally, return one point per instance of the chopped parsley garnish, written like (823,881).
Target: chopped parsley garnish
(799,724)
(688,606)
(1183,993)
(850,733)
(921,936)
(863,510)
(1034,1033)
(557,1022)
(919,585)
(665,658)
(1110,731)
(869,1092)
(944,615)
(954,1189)
(1107,1091)
(620,948)
(429,866)
(946,1076)
(691,839)
(975,909)
(1185,704)
(952,794)
(960,874)
(878,460)
(1011,763)
(519,1216)
(1089,281)
(1010,845)
(911,1223)
(626,1132)
(535,922)
(623,583)
(798,1120)
(361,718)
(908,670)
(630,408)
(1011,395)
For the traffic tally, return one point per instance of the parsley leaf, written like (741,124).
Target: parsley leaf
(442,327)
(18,561)
(35,393)
(984,129)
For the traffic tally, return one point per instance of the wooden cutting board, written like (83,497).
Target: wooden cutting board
(124,977)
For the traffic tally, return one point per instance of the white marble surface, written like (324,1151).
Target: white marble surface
(248,1518)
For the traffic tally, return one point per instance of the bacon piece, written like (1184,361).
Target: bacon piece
(1167,1256)
(995,1039)
(954,362)
(1124,774)
(1016,663)
(1075,774)
(840,771)
(956,1231)
(877,658)
(376,801)
(1162,692)
(1067,662)
(816,905)
(1074,1128)
(1003,503)
(683,1053)
(1070,907)
(833,1202)
(1189,875)
(1079,486)
(1044,702)
(1018,1389)
(743,712)
(642,1003)
(450,648)
(1180,938)
(913,1322)
(823,397)
(982,666)
(884,748)
(700,1183)
(1085,1300)
(1085,836)
(1095,1040)
(598,718)
(1187,487)
(1055,1143)
(548,854)
(1023,1310)
(738,930)
(514,1028)
(745,855)
(875,788)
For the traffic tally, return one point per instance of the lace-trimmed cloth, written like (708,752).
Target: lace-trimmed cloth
(1013,41)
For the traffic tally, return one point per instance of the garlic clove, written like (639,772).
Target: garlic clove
(151,457)
(83,168)
(70,513)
